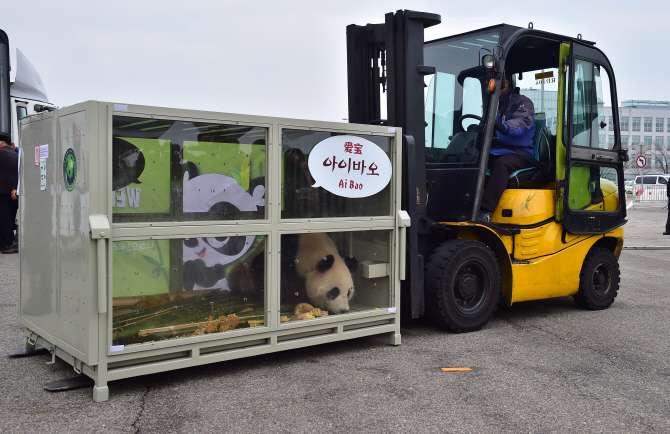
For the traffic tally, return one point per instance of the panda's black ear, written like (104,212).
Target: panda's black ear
(325,264)
(352,263)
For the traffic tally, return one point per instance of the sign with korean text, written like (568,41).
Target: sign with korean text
(349,166)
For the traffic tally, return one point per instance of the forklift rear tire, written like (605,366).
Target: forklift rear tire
(598,280)
(462,285)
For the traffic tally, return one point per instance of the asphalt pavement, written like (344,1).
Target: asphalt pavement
(544,366)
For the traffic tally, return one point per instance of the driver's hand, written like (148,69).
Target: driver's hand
(500,127)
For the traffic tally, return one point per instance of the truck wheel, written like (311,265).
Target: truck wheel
(598,280)
(462,285)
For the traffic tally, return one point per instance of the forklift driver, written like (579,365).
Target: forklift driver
(513,150)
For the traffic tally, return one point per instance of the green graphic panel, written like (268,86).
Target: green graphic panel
(152,193)
(241,162)
(141,267)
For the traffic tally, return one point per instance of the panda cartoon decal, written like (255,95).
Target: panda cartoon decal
(215,192)
(127,163)
(205,259)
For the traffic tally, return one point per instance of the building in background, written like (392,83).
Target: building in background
(645,130)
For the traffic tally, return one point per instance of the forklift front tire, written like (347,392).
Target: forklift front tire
(598,280)
(462,285)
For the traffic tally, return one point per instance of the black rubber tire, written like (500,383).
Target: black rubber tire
(598,280)
(462,285)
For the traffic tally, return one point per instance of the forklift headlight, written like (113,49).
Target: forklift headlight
(488,62)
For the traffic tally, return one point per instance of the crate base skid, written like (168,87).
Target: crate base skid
(190,355)
(70,384)
(29,351)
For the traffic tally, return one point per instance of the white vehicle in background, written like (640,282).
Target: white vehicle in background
(652,179)
(650,188)
(25,96)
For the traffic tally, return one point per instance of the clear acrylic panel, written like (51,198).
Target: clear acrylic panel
(350,179)
(335,273)
(168,289)
(165,170)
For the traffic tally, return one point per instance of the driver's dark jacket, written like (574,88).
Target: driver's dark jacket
(517,113)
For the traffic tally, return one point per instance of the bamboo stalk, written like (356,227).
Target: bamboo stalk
(142,318)
(175,328)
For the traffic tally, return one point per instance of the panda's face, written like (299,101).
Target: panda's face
(338,300)
(332,284)
(218,250)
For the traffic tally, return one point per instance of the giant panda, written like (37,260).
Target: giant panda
(327,276)
(312,271)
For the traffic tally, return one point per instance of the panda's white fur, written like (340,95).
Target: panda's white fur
(328,281)
(311,271)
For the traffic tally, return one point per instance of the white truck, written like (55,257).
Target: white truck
(26,95)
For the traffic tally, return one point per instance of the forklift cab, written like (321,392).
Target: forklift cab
(575,158)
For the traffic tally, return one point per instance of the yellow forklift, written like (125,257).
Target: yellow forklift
(557,230)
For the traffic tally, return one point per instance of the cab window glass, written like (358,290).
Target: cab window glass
(473,103)
(453,115)
(593,188)
(591,93)
(456,96)
(541,87)
(441,108)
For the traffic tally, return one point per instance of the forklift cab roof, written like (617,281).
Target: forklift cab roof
(506,33)
(537,50)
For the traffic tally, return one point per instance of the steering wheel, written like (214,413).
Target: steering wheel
(469,116)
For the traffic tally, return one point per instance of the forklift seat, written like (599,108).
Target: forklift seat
(533,177)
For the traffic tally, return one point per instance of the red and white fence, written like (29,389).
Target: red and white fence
(650,192)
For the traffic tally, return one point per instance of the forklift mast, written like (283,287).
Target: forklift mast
(389,57)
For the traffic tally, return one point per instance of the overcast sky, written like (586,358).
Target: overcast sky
(286,58)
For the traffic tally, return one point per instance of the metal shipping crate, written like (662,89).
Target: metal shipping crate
(155,239)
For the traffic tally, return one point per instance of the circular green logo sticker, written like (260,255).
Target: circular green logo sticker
(70,169)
